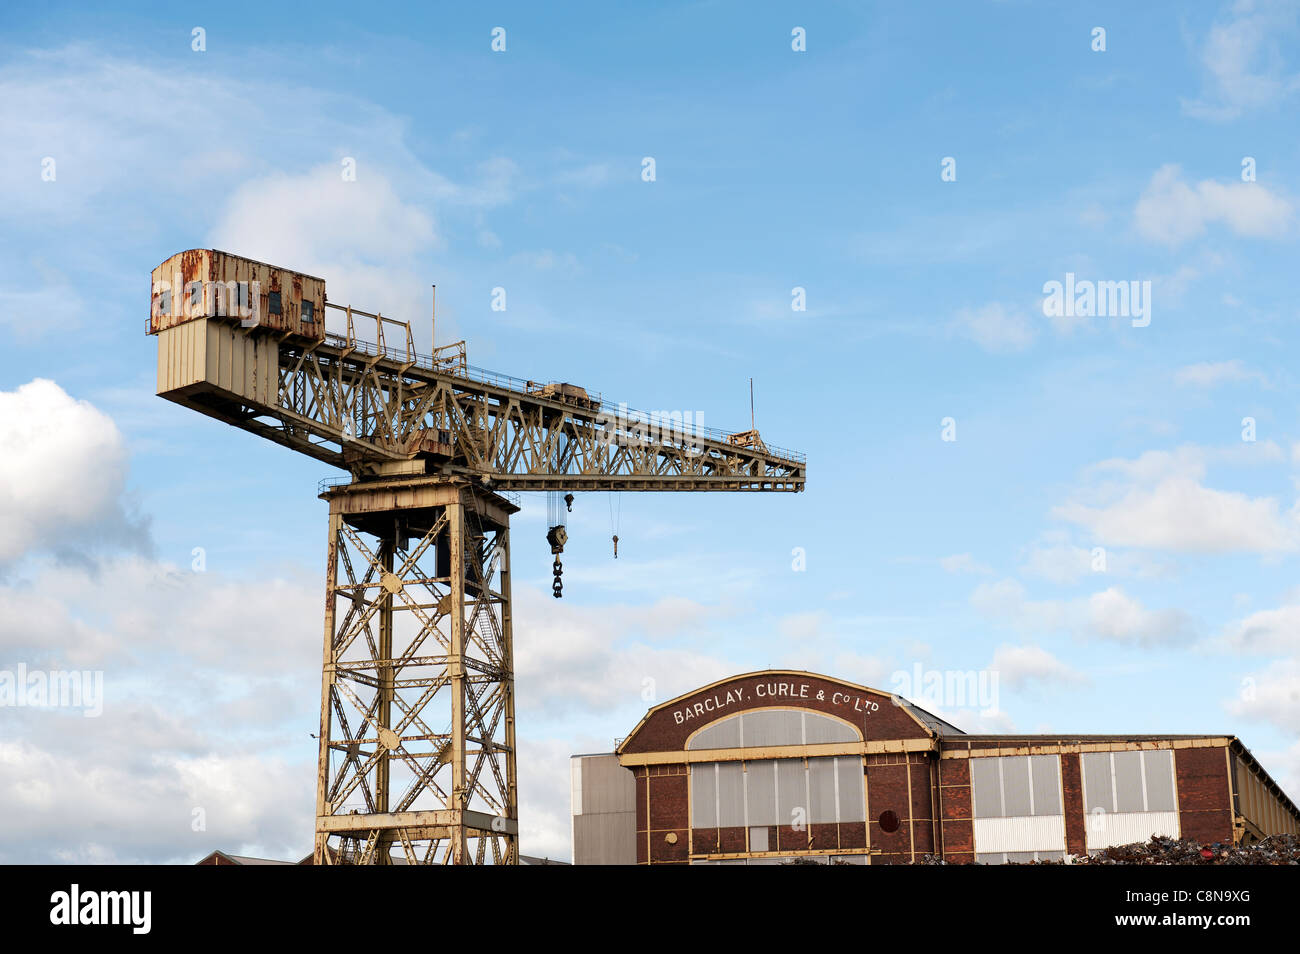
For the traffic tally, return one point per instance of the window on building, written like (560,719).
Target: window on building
(1128,782)
(768,727)
(777,792)
(1016,786)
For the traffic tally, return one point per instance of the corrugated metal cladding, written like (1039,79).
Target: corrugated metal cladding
(1128,796)
(207,283)
(777,792)
(209,356)
(604,811)
(1017,808)
(768,727)
(1259,806)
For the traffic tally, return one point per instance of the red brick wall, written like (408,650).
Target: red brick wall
(887,780)
(1204,799)
(955,801)
(1072,790)
(666,806)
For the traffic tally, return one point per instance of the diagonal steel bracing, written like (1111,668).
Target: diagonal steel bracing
(417,753)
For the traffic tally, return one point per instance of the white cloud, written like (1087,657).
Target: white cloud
(1272,695)
(360,236)
(63,467)
(1208,374)
(1022,666)
(995,327)
(1275,630)
(1058,563)
(1109,615)
(1242,58)
(1158,501)
(596,660)
(1172,212)
(1114,615)
(1178,513)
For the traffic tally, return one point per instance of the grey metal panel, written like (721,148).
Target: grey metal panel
(1050,855)
(1046,771)
(773,727)
(1159,767)
(606,785)
(820,728)
(704,794)
(760,792)
(792,791)
(821,787)
(848,771)
(1015,785)
(986,789)
(990,858)
(608,838)
(1020,856)
(1128,781)
(848,859)
(1096,781)
(724,734)
(758,839)
(731,794)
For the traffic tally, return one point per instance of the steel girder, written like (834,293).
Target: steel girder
(417,743)
(355,409)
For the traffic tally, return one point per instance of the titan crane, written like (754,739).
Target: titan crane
(417,719)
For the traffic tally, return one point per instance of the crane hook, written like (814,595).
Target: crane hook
(616,546)
(557,588)
(568,502)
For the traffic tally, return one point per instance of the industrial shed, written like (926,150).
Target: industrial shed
(769,766)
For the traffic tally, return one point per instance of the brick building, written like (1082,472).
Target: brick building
(771,765)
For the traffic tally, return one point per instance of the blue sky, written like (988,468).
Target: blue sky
(774,169)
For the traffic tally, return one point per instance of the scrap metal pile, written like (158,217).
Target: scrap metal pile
(1274,850)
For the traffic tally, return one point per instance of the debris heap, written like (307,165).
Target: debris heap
(1274,850)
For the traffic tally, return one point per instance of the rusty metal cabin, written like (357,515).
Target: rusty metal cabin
(210,284)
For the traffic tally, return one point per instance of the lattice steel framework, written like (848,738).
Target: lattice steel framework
(417,745)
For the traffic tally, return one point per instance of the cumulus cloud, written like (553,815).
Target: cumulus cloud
(1114,615)
(63,467)
(1022,666)
(598,659)
(1172,212)
(1271,695)
(1158,501)
(1274,630)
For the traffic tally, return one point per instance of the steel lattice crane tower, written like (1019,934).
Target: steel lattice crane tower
(417,737)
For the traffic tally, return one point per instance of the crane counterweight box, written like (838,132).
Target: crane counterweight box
(219,319)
